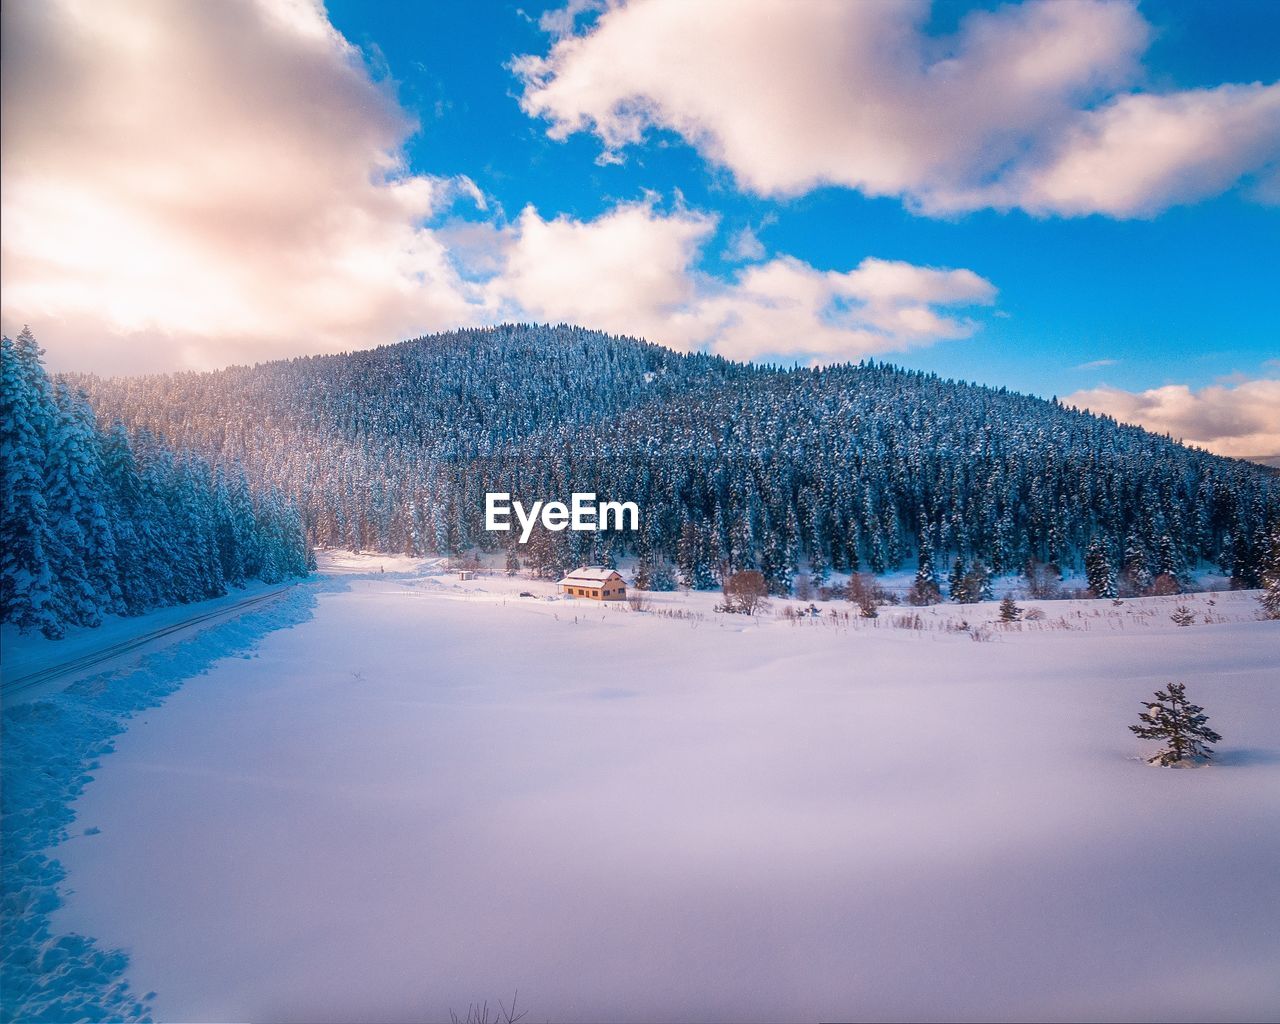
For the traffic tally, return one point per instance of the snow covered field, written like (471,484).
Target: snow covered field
(393,793)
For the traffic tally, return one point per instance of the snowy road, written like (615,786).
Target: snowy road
(49,678)
(425,793)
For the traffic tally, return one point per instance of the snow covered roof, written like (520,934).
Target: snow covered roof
(590,576)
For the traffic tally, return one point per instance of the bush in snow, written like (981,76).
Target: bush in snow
(864,592)
(1183,616)
(745,592)
(1179,724)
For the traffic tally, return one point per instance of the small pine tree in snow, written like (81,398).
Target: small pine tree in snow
(1009,610)
(1179,724)
(513,562)
(1183,616)
(1271,576)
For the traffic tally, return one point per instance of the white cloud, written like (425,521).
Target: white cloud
(745,247)
(1243,421)
(633,271)
(211,181)
(626,272)
(189,185)
(562,21)
(1140,153)
(1025,106)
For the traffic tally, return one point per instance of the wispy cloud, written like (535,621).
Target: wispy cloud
(745,247)
(1096,364)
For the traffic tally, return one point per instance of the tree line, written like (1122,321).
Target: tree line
(97,521)
(847,468)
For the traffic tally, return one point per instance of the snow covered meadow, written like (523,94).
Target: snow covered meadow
(393,793)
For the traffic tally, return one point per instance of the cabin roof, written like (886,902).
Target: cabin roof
(590,576)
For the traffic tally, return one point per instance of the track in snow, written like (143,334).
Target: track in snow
(24,686)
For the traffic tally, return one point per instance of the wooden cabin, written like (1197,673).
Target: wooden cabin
(594,582)
(467,574)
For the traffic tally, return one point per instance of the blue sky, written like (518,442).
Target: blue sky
(1080,199)
(1188,296)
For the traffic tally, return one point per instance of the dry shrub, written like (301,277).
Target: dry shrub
(745,592)
(865,593)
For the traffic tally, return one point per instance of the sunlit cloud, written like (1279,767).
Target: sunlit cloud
(191,184)
(633,271)
(195,185)
(1028,105)
(1241,420)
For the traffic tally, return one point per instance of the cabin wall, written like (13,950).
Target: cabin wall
(615,591)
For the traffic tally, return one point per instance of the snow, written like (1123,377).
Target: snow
(21,655)
(385,796)
(359,562)
(590,574)
(51,748)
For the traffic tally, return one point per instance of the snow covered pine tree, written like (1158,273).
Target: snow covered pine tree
(373,449)
(98,522)
(1271,575)
(1180,724)
(1099,571)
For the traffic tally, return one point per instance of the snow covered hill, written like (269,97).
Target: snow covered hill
(847,467)
(396,792)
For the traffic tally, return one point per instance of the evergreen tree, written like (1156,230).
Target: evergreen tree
(1270,597)
(925,590)
(772,468)
(1009,610)
(1169,561)
(977,583)
(644,570)
(1137,574)
(1179,724)
(26,576)
(97,523)
(957,583)
(663,580)
(1099,571)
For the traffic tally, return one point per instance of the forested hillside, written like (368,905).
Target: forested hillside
(97,521)
(850,467)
